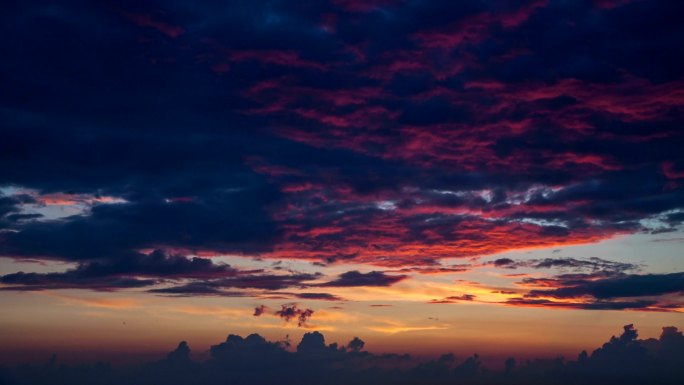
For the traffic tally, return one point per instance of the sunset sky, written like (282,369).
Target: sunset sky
(501,177)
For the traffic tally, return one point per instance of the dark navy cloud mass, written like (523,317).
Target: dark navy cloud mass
(388,133)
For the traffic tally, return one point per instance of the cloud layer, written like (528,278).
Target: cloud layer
(624,359)
(386,133)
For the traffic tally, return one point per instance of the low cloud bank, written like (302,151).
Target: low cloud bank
(624,359)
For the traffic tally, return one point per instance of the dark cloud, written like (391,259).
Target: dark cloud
(455,299)
(623,359)
(259,310)
(319,296)
(10,206)
(70,280)
(194,289)
(247,353)
(603,290)
(390,133)
(158,264)
(290,312)
(180,356)
(437,269)
(266,281)
(505,262)
(308,296)
(206,276)
(313,342)
(617,287)
(246,280)
(113,230)
(592,305)
(356,344)
(356,278)
(573,264)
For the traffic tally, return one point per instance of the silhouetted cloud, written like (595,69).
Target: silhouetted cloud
(504,262)
(589,305)
(259,310)
(208,278)
(180,356)
(318,296)
(455,299)
(623,359)
(590,264)
(10,208)
(313,342)
(438,269)
(45,281)
(356,278)
(603,290)
(290,312)
(616,287)
(356,344)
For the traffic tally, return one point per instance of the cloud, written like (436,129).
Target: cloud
(165,273)
(616,287)
(10,209)
(461,268)
(573,264)
(48,281)
(143,20)
(455,299)
(245,280)
(356,344)
(592,305)
(180,356)
(290,312)
(259,310)
(393,134)
(9,204)
(193,289)
(115,230)
(318,296)
(624,358)
(356,278)
(603,291)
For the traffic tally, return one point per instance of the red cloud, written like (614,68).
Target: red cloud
(143,20)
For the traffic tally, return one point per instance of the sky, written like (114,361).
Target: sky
(499,177)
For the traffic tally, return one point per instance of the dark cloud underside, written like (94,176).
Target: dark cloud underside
(390,133)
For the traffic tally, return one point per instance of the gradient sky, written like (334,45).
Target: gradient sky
(501,177)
